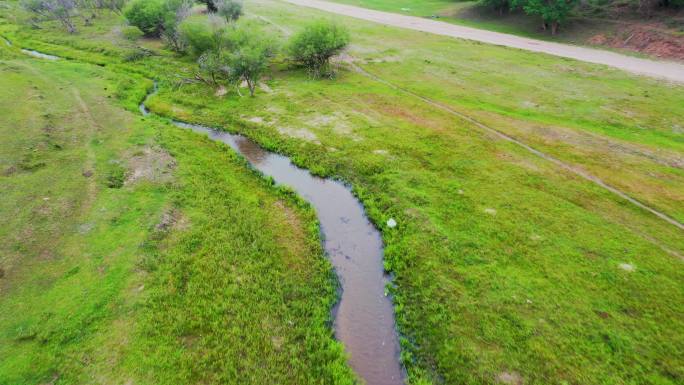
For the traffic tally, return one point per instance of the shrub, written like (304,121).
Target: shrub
(177,11)
(251,55)
(212,66)
(204,34)
(498,5)
(211,5)
(147,15)
(62,10)
(231,10)
(136,54)
(316,44)
(115,176)
(132,33)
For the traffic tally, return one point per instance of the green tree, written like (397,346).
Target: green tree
(316,44)
(211,5)
(250,57)
(212,67)
(176,12)
(231,10)
(202,34)
(552,12)
(148,15)
(498,5)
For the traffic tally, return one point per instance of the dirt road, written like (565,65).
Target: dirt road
(658,69)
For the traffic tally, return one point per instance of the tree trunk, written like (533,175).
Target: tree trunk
(252,86)
(554,27)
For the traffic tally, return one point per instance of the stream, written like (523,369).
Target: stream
(364,316)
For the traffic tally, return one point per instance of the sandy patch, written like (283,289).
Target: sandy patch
(511,378)
(256,119)
(299,133)
(221,91)
(264,87)
(152,164)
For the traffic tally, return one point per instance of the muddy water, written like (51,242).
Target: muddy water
(364,316)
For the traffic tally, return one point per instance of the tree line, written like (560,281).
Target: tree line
(226,51)
(553,13)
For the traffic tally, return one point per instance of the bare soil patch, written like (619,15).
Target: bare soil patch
(151,164)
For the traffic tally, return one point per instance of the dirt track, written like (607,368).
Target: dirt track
(658,69)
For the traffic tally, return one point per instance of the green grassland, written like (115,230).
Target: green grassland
(198,271)
(503,262)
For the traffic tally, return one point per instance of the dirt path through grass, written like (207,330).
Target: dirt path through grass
(658,69)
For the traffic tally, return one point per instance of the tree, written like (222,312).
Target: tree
(498,5)
(148,15)
(316,44)
(211,5)
(230,9)
(177,12)
(113,5)
(204,34)
(250,57)
(552,12)
(61,10)
(212,65)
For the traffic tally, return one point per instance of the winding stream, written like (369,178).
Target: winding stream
(364,316)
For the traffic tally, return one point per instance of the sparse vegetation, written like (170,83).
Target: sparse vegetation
(61,10)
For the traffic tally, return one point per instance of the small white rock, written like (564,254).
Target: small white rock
(391,223)
(490,211)
(460,192)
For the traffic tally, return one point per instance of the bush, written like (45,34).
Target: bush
(251,55)
(211,5)
(316,44)
(498,5)
(203,34)
(132,33)
(136,54)
(115,176)
(147,15)
(177,12)
(62,10)
(231,10)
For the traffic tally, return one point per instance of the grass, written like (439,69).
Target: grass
(208,275)
(503,262)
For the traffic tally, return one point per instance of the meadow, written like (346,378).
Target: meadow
(123,263)
(505,266)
